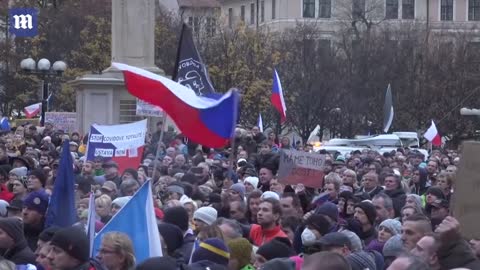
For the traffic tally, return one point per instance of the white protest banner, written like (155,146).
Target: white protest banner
(147,109)
(300,167)
(465,202)
(66,121)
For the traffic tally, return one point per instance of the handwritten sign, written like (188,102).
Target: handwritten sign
(466,202)
(147,109)
(301,167)
(66,121)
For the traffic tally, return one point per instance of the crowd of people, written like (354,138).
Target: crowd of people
(226,209)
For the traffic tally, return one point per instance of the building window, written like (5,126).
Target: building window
(408,9)
(211,26)
(358,9)
(242,13)
(128,111)
(196,24)
(447,10)
(262,11)
(230,17)
(252,13)
(474,10)
(391,9)
(325,9)
(274,7)
(190,22)
(309,8)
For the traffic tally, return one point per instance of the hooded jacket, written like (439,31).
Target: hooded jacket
(20,253)
(398,198)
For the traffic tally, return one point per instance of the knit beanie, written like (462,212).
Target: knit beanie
(38,201)
(73,241)
(212,249)
(277,248)
(239,188)
(328,209)
(361,260)
(436,191)
(270,194)
(279,264)
(13,227)
(172,235)
(393,225)
(38,173)
(253,181)
(206,214)
(47,234)
(369,210)
(177,216)
(393,247)
(319,223)
(121,201)
(20,171)
(240,249)
(131,171)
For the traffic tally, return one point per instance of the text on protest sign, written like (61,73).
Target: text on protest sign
(301,168)
(466,202)
(147,109)
(66,121)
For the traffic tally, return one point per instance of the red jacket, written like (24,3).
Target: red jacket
(5,194)
(260,236)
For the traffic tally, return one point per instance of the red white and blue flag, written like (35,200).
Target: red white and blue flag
(277,97)
(32,110)
(206,121)
(433,136)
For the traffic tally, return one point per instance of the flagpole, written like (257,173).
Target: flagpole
(159,144)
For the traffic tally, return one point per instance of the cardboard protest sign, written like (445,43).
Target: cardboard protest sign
(147,109)
(466,202)
(66,121)
(300,167)
(120,143)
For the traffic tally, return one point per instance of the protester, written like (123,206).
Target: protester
(116,252)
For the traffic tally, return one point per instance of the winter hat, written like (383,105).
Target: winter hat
(177,216)
(270,194)
(436,191)
(319,223)
(212,249)
(38,201)
(13,227)
(73,241)
(241,250)
(167,263)
(277,248)
(369,210)
(20,171)
(176,189)
(356,242)
(328,209)
(47,234)
(131,171)
(279,264)
(361,260)
(3,208)
(393,247)
(239,188)
(172,235)
(252,180)
(38,173)
(206,214)
(121,201)
(393,225)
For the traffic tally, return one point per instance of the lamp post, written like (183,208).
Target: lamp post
(44,71)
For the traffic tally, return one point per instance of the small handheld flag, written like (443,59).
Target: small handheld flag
(277,97)
(388,110)
(260,122)
(432,135)
(32,110)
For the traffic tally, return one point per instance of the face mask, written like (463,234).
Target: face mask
(308,237)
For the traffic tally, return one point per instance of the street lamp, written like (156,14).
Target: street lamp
(43,70)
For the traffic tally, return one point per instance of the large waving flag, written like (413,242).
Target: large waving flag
(203,120)
(388,110)
(432,135)
(32,110)
(190,70)
(137,220)
(277,97)
(61,210)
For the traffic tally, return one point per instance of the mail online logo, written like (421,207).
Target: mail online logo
(23,22)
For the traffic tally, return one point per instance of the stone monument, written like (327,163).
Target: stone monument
(102,98)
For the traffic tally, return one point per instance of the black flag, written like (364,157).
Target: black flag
(190,70)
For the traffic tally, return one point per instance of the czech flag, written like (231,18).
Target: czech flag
(433,136)
(206,121)
(32,110)
(277,97)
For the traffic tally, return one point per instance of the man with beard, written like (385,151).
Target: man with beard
(34,209)
(111,172)
(265,176)
(268,219)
